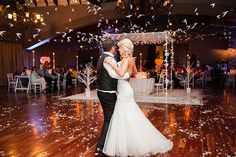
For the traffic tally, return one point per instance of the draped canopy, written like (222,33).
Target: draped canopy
(143,38)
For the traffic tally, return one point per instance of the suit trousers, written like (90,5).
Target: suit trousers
(107,101)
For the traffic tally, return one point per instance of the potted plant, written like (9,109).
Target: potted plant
(87,76)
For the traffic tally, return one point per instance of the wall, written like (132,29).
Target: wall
(207,51)
(11,60)
(65,55)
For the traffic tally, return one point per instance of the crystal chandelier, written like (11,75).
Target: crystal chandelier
(25,17)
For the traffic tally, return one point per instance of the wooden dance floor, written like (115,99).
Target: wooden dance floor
(43,125)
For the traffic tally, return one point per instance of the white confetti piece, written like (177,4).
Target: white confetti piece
(2,32)
(19,35)
(212,5)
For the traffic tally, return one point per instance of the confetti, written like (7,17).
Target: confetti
(224,13)
(19,35)
(35,35)
(140,15)
(185,21)
(129,16)
(2,32)
(212,5)
(38,30)
(11,25)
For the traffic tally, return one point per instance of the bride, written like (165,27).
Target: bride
(130,132)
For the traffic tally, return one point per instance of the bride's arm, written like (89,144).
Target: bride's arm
(120,71)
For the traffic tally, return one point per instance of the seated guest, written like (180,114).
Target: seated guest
(63,72)
(153,73)
(24,72)
(40,71)
(57,72)
(43,72)
(74,73)
(17,72)
(36,78)
(176,80)
(68,78)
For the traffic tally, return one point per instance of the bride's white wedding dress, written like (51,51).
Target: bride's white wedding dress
(130,132)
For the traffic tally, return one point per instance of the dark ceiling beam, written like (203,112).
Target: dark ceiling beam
(55,2)
(96,2)
(35,3)
(46,2)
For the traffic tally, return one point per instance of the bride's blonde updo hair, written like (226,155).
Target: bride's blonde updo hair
(128,47)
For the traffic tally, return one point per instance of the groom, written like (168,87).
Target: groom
(106,88)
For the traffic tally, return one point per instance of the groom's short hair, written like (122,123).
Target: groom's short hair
(108,44)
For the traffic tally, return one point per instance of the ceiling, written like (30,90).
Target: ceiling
(63,18)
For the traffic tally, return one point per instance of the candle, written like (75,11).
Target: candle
(140,61)
(33,58)
(77,63)
(53,60)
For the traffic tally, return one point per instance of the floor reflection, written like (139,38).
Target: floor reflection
(43,125)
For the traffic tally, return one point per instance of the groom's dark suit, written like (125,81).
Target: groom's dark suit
(106,91)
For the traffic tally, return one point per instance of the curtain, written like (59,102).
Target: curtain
(11,59)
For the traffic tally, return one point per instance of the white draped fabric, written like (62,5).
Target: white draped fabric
(143,38)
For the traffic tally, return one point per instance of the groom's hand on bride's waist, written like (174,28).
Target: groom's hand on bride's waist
(130,72)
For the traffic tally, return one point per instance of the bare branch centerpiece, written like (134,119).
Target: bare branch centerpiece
(189,74)
(87,76)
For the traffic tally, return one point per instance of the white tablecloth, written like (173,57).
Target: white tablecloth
(142,86)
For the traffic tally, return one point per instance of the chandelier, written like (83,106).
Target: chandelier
(25,17)
(20,13)
(146,7)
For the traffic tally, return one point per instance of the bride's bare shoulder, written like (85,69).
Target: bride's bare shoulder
(131,60)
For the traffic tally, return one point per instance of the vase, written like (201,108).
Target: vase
(188,90)
(87,92)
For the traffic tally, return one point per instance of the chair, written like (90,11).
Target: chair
(64,80)
(201,81)
(11,81)
(36,86)
(74,81)
(230,81)
(58,81)
(160,85)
